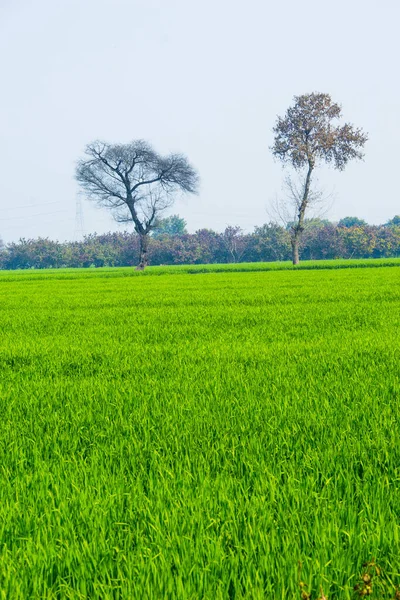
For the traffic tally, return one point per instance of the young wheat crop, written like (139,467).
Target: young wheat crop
(196,437)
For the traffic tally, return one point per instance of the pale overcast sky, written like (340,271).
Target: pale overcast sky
(202,77)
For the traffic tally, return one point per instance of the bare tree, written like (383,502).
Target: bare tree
(284,209)
(135,183)
(304,138)
(234,242)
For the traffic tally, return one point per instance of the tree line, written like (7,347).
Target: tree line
(170,244)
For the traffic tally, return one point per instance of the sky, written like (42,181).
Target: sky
(206,78)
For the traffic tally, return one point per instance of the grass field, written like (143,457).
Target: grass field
(196,437)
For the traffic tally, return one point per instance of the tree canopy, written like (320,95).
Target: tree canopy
(172,225)
(351,222)
(307,134)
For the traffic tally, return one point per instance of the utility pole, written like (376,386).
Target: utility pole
(79,231)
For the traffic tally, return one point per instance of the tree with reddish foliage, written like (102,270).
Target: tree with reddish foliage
(305,137)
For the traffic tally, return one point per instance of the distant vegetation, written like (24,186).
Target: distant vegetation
(170,244)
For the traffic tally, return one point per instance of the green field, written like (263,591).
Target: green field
(307,265)
(195,437)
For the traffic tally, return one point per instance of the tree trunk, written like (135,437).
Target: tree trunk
(295,241)
(143,246)
(299,227)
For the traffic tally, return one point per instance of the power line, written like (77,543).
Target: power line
(18,226)
(34,205)
(32,216)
